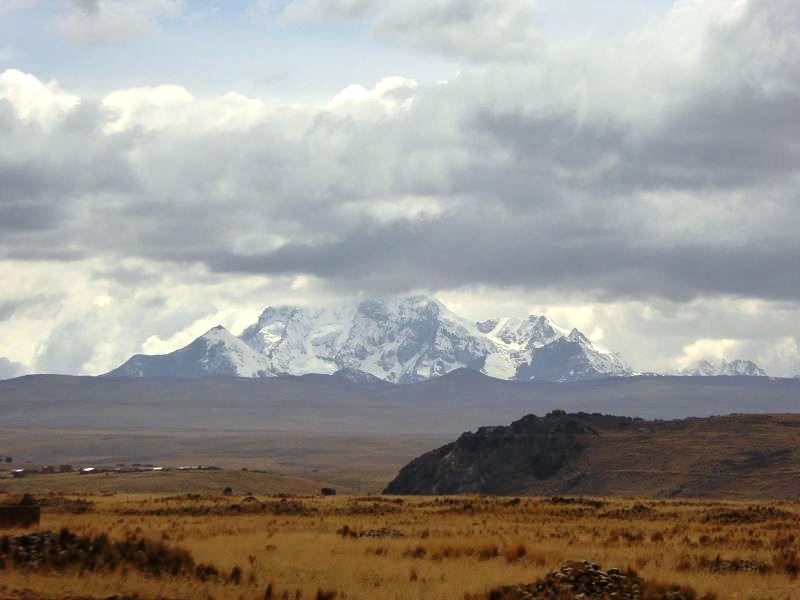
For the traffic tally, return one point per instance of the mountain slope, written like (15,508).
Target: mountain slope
(400,340)
(216,353)
(571,358)
(740,456)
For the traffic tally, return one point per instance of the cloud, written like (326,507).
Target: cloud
(10,369)
(109,21)
(705,349)
(472,29)
(33,100)
(646,184)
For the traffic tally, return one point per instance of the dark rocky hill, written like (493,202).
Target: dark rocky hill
(747,456)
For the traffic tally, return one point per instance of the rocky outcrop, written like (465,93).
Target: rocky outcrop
(497,460)
(744,456)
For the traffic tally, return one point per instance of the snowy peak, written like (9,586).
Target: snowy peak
(741,368)
(577,337)
(533,332)
(514,341)
(399,340)
(572,358)
(215,353)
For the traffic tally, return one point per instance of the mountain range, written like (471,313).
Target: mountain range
(734,368)
(398,340)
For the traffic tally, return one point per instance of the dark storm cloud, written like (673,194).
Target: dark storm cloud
(405,256)
(521,188)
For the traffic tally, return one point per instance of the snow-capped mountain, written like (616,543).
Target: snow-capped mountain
(572,358)
(400,340)
(217,352)
(514,341)
(742,368)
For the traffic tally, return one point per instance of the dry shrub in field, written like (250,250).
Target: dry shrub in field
(788,562)
(751,514)
(515,553)
(637,511)
(374,508)
(249,506)
(65,550)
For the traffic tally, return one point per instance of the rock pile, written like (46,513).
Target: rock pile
(575,501)
(586,580)
(637,511)
(382,533)
(719,565)
(746,516)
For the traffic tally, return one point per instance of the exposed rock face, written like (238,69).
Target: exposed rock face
(571,358)
(499,459)
(597,455)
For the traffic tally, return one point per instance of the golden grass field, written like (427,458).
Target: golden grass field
(438,548)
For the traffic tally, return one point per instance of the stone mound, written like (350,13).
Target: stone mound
(382,533)
(586,580)
(575,501)
(751,514)
(637,511)
(739,565)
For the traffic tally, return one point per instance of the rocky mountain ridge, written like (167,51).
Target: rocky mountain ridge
(738,456)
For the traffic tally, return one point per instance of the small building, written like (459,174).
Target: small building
(65,468)
(328,491)
(47,470)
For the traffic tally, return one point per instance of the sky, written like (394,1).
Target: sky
(628,168)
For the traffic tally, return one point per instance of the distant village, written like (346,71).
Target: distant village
(28,471)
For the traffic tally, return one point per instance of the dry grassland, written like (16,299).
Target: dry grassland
(398,548)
